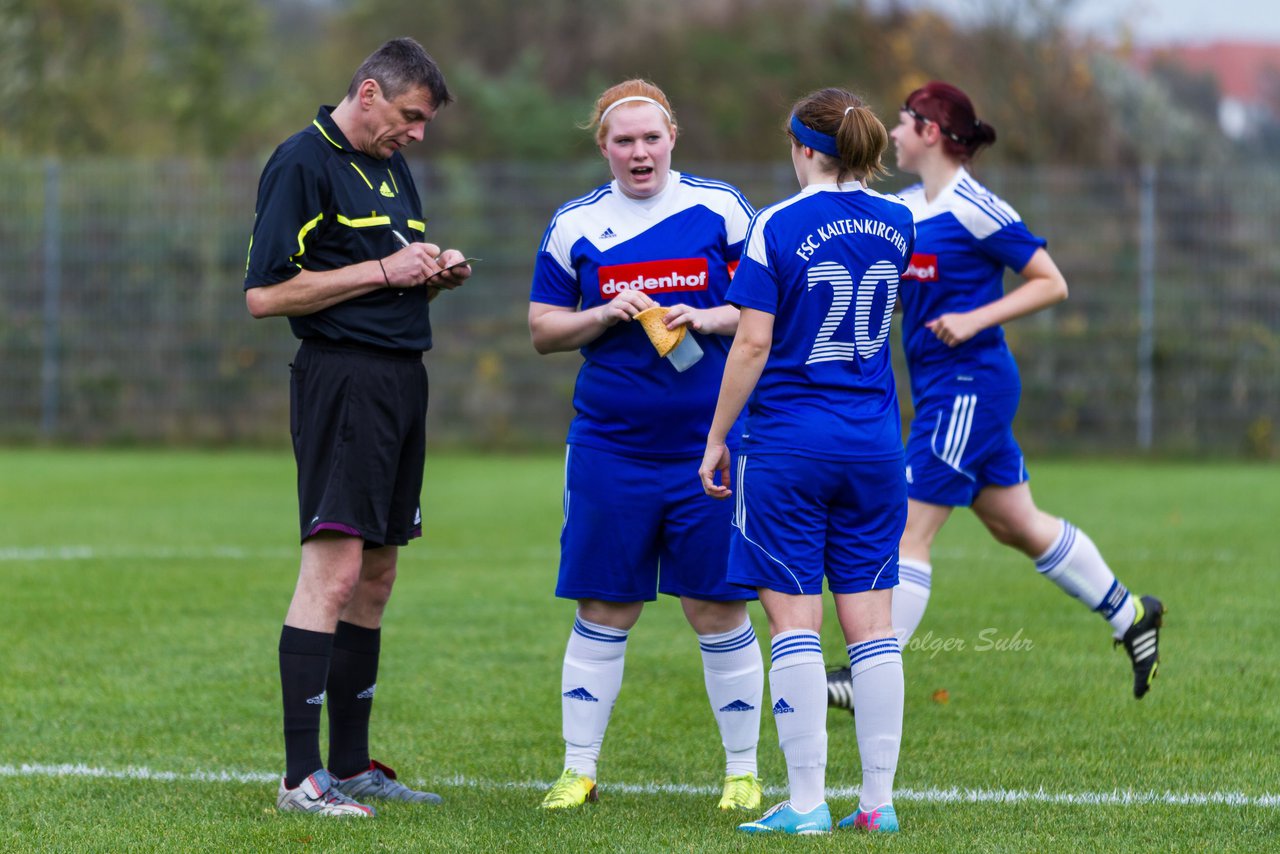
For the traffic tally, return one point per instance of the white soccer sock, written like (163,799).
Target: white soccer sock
(1074,563)
(734,673)
(589,686)
(910,597)
(798,685)
(877,716)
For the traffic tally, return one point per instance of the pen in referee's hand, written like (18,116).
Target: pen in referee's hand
(400,238)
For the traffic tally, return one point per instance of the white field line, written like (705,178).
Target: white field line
(34,554)
(937,796)
(427,552)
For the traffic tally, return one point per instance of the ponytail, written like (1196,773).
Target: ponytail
(862,139)
(848,132)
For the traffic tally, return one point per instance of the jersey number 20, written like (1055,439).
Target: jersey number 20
(842,294)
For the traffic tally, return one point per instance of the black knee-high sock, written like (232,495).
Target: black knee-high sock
(353,674)
(304,667)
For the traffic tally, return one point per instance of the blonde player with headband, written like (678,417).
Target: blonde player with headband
(635,523)
(818,481)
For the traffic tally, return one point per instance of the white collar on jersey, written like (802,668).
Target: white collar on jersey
(946,192)
(649,204)
(846,187)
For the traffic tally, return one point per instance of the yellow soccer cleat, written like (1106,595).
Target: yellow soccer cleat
(571,790)
(741,792)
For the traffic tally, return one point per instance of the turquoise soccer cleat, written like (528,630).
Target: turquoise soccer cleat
(882,819)
(781,818)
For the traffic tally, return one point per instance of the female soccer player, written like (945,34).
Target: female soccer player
(635,522)
(965,384)
(819,484)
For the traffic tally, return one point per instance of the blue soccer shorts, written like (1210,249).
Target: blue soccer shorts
(798,520)
(960,443)
(637,526)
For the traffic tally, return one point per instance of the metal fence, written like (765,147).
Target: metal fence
(122,317)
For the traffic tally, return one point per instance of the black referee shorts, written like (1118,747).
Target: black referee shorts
(358,419)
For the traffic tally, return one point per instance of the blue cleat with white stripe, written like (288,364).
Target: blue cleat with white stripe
(781,818)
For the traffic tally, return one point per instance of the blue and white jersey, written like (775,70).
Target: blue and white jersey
(964,239)
(826,264)
(679,246)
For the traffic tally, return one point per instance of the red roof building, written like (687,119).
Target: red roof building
(1247,73)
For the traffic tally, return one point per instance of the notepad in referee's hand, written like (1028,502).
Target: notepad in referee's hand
(462,263)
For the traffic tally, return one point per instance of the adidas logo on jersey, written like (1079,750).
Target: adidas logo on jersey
(386,191)
(737,706)
(317,700)
(367,693)
(580,694)
(923,268)
(782,707)
(606,234)
(676,274)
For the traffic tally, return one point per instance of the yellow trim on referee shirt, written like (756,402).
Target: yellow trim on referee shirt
(357,168)
(364,222)
(302,235)
(325,135)
(393,181)
(418,225)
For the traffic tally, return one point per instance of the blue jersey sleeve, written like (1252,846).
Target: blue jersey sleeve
(737,220)
(1013,245)
(555,279)
(552,284)
(755,285)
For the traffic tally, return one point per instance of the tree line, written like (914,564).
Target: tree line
(218,78)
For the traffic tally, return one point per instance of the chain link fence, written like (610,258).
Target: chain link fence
(122,318)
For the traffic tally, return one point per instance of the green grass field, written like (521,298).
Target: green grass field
(139,702)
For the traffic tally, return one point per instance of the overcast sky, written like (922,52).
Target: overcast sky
(1161,21)
(1149,21)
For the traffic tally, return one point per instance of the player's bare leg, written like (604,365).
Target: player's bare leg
(910,597)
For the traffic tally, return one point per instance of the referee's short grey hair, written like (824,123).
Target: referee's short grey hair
(398,66)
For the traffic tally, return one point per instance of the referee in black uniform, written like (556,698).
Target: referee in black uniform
(339,247)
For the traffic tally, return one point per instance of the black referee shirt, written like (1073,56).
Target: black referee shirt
(323,205)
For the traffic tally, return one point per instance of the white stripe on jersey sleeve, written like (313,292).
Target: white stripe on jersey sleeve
(755,248)
(981,212)
(724,199)
(565,228)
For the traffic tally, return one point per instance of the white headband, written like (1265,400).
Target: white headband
(609,109)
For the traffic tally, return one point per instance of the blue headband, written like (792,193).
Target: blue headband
(817,140)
